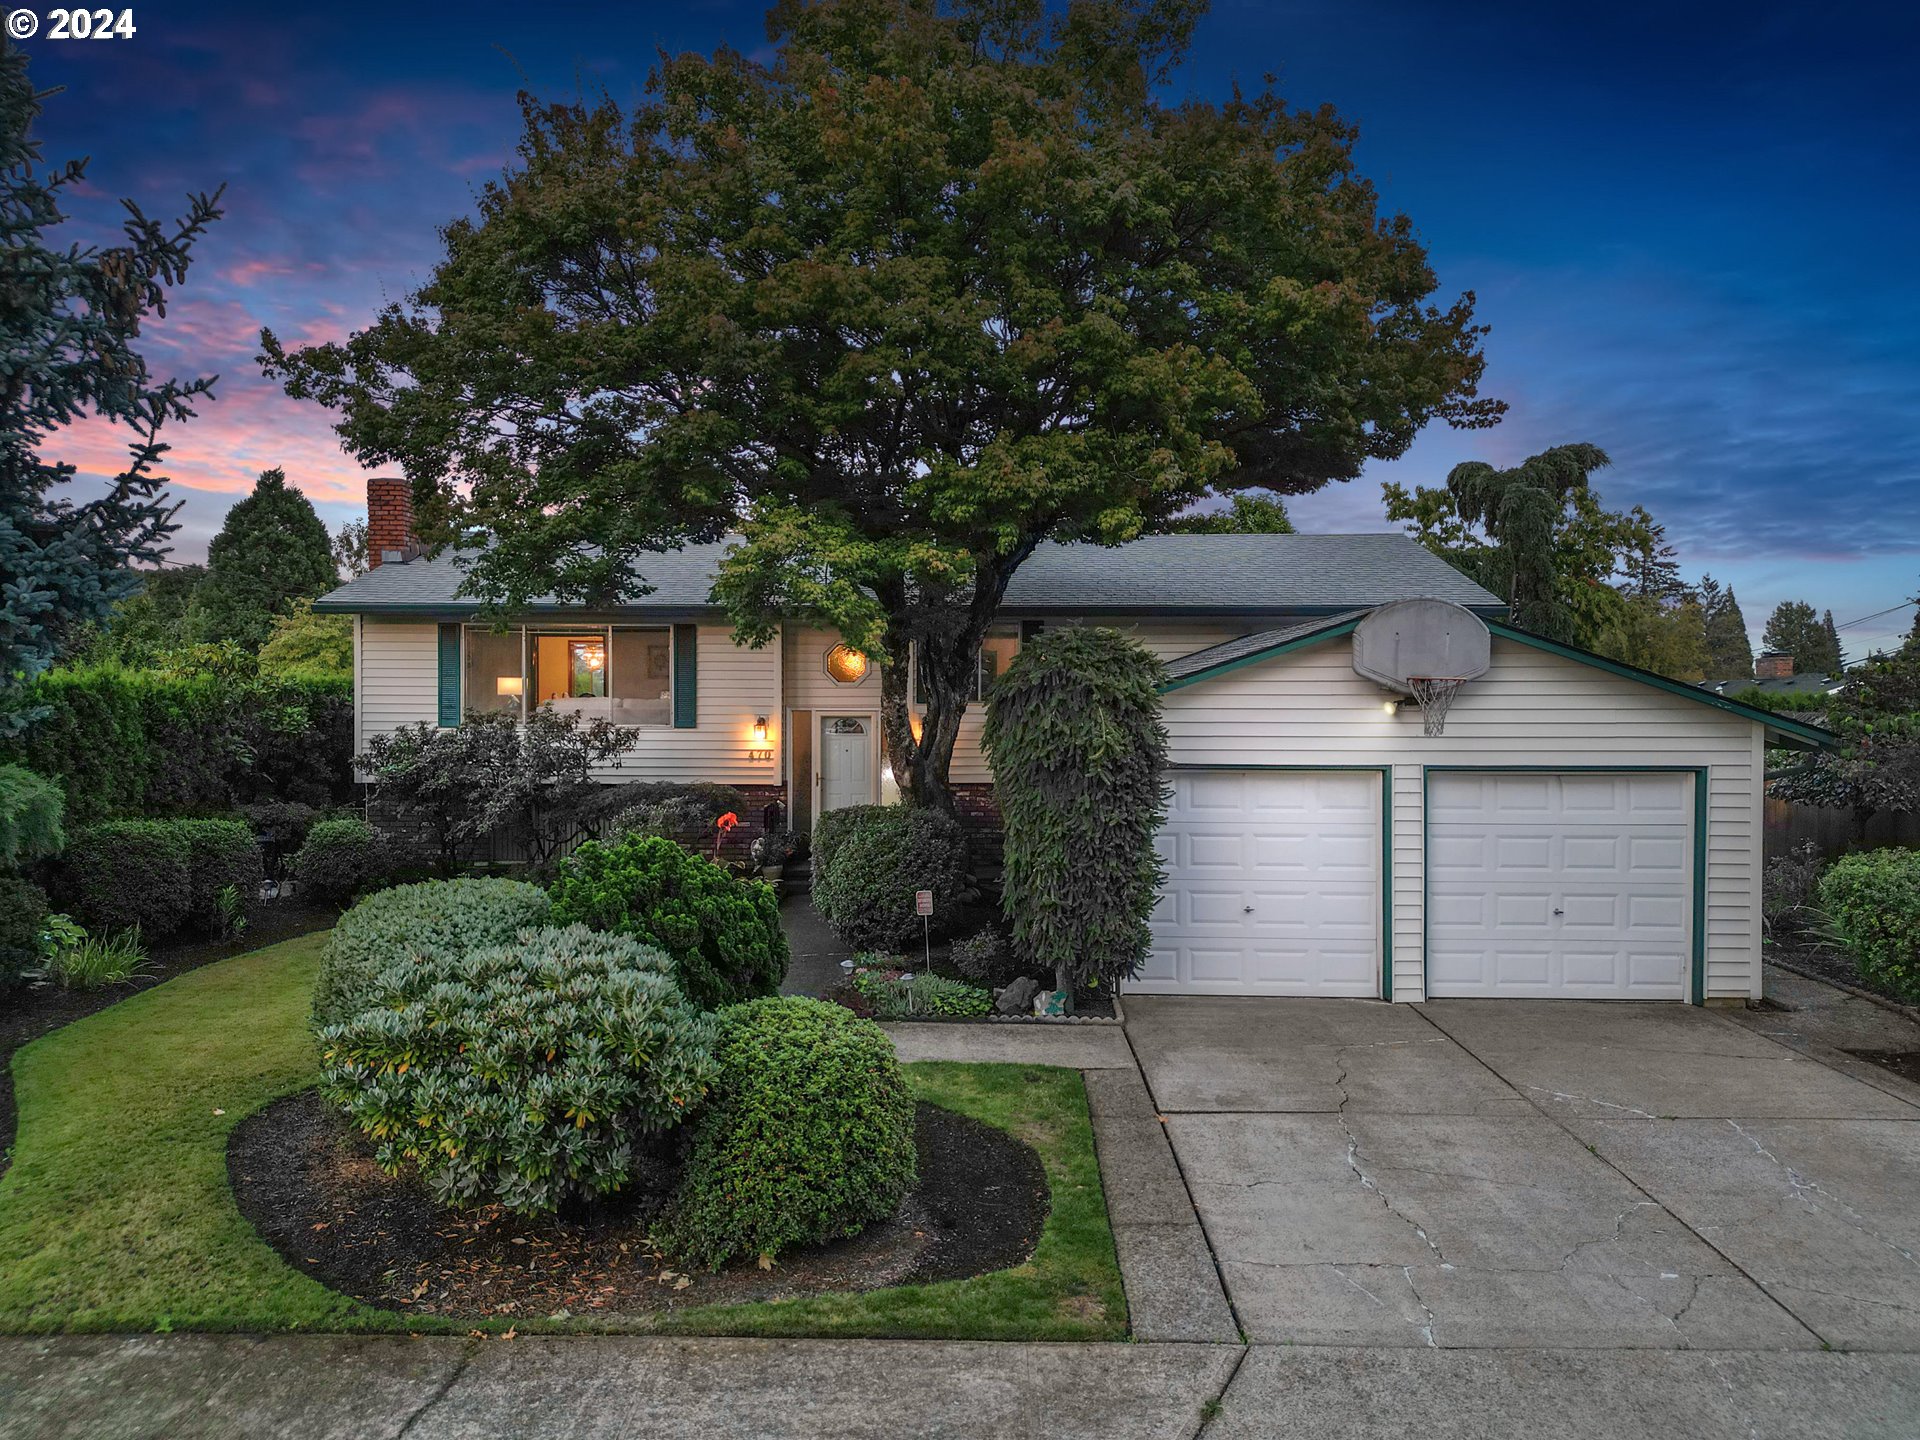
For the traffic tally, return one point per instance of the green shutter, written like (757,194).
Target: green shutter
(449,675)
(686,669)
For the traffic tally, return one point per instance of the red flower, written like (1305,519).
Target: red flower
(726,822)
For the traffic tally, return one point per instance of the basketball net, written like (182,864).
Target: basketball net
(1434,695)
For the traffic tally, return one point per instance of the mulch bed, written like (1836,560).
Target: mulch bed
(309,1185)
(35,1010)
(1825,962)
(1904,1063)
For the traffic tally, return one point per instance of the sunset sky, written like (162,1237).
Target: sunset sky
(1691,227)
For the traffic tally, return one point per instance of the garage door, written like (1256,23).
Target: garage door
(1273,886)
(1559,885)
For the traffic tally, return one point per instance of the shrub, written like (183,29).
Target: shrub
(723,933)
(1788,886)
(23,913)
(31,810)
(1872,900)
(521,1073)
(281,827)
(1079,765)
(807,1136)
(684,814)
(987,959)
(868,860)
(222,856)
(902,996)
(494,771)
(128,875)
(438,919)
(339,860)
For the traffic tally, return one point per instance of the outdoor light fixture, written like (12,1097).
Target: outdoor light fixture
(507,685)
(760,728)
(846,665)
(1392,707)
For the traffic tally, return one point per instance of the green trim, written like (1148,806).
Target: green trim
(686,672)
(1796,728)
(1701,775)
(1297,642)
(449,676)
(1385,772)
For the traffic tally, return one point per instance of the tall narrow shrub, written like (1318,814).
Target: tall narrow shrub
(1079,769)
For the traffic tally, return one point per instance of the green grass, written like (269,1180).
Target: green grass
(116,1213)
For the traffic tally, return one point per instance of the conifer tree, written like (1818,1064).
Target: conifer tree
(68,322)
(1729,651)
(272,551)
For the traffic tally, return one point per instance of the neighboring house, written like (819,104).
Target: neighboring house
(1773,675)
(1581,828)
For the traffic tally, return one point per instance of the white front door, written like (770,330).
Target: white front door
(847,753)
(1570,885)
(1273,885)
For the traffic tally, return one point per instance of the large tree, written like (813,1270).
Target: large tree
(1814,644)
(933,283)
(69,317)
(272,552)
(1247,515)
(1729,651)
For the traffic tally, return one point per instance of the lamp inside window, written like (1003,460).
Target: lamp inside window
(846,665)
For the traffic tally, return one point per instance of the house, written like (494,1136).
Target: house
(1773,674)
(1579,828)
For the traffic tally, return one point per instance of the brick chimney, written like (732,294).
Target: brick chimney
(1773,665)
(390,521)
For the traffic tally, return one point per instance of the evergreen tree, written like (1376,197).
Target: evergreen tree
(1832,658)
(1795,628)
(1729,651)
(1250,515)
(273,550)
(69,316)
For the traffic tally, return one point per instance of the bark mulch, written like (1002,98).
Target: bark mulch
(308,1183)
(31,1011)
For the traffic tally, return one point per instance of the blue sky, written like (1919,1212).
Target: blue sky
(1691,227)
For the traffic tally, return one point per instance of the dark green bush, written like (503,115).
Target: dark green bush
(1872,900)
(23,911)
(220,854)
(281,827)
(126,873)
(683,813)
(987,959)
(723,933)
(807,1135)
(868,860)
(31,813)
(415,924)
(340,859)
(125,742)
(1079,770)
(523,1073)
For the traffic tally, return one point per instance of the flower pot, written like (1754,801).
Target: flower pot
(771,874)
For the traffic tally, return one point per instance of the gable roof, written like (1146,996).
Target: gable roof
(1218,660)
(1190,574)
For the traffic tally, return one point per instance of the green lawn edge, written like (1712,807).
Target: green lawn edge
(117,1216)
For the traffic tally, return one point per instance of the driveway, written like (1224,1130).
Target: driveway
(1476,1175)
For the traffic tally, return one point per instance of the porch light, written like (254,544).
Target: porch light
(760,729)
(507,685)
(846,665)
(1392,707)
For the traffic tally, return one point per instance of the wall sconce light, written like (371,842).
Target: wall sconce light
(846,665)
(507,685)
(760,729)
(1392,707)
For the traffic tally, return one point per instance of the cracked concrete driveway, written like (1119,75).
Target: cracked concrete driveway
(1557,1173)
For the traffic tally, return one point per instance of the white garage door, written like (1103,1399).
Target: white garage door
(1273,885)
(1573,885)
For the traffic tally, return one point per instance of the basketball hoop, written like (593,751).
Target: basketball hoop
(1434,695)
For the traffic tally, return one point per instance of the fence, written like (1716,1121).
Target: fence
(1834,832)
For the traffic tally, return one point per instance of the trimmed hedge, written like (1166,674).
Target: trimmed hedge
(868,860)
(723,933)
(417,924)
(1872,900)
(159,875)
(807,1135)
(521,1073)
(340,859)
(23,912)
(150,743)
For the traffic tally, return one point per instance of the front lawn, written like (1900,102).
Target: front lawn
(117,1215)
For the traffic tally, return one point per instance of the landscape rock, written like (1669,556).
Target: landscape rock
(1016,997)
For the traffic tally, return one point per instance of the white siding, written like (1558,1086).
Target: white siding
(399,685)
(1532,708)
